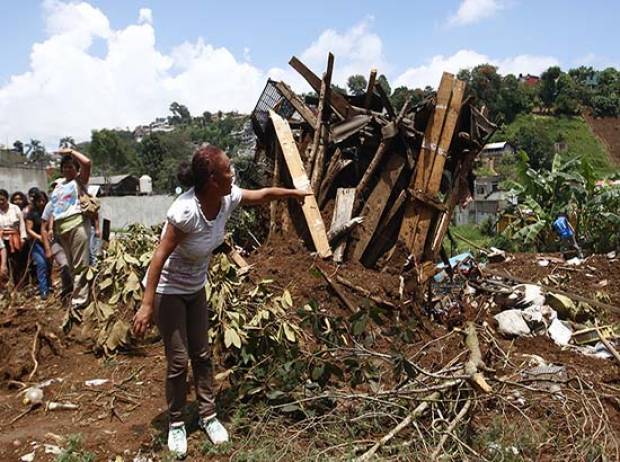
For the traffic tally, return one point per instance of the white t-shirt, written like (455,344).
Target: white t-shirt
(65,199)
(186,270)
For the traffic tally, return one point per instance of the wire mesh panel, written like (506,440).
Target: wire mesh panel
(271,98)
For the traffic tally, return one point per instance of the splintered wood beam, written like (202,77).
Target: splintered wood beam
(304,111)
(336,165)
(275,181)
(370,88)
(295,166)
(428,213)
(388,132)
(318,129)
(378,245)
(424,161)
(321,133)
(376,204)
(343,212)
(339,104)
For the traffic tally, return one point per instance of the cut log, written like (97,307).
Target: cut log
(343,211)
(310,208)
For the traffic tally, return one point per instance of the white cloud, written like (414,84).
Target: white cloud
(472,11)
(430,73)
(71,90)
(356,51)
(145,15)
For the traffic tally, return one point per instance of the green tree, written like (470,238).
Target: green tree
(514,98)
(383,81)
(536,142)
(66,142)
(18,146)
(485,84)
(35,151)
(112,152)
(357,84)
(567,101)
(548,89)
(400,95)
(180,114)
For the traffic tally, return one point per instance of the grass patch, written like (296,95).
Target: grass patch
(574,131)
(74,451)
(464,233)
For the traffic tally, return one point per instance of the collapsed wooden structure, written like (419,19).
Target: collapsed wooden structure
(403,172)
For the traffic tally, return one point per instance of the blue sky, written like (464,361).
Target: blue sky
(120,63)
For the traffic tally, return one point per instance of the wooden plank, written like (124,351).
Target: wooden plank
(377,201)
(338,102)
(318,129)
(426,213)
(370,88)
(295,166)
(304,111)
(275,181)
(343,212)
(424,161)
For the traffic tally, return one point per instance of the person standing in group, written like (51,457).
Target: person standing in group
(70,227)
(4,269)
(174,294)
(19,198)
(13,234)
(37,252)
(53,249)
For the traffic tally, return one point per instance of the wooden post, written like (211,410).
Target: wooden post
(426,212)
(321,134)
(297,103)
(425,158)
(295,166)
(370,88)
(343,212)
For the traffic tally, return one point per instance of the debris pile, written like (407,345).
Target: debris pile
(382,178)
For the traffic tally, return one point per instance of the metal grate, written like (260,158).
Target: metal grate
(271,98)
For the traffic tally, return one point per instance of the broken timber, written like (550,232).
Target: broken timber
(300,180)
(368,159)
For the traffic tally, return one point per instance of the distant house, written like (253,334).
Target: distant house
(497,150)
(159,126)
(115,185)
(488,201)
(529,80)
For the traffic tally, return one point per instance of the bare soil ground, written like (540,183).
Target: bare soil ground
(607,129)
(126,415)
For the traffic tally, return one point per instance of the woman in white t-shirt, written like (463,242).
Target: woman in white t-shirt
(174,294)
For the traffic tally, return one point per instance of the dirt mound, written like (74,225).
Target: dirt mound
(607,129)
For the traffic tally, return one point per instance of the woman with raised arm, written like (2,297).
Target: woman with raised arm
(70,227)
(175,297)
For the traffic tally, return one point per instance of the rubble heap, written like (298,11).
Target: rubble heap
(381,177)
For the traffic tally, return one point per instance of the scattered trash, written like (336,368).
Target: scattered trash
(543,262)
(96,382)
(575,261)
(611,255)
(602,283)
(496,255)
(54,406)
(567,309)
(598,351)
(27,457)
(512,324)
(33,395)
(559,333)
(463,262)
(589,335)
(52,449)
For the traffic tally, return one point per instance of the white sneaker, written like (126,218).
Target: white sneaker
(177,440)
(216,432)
